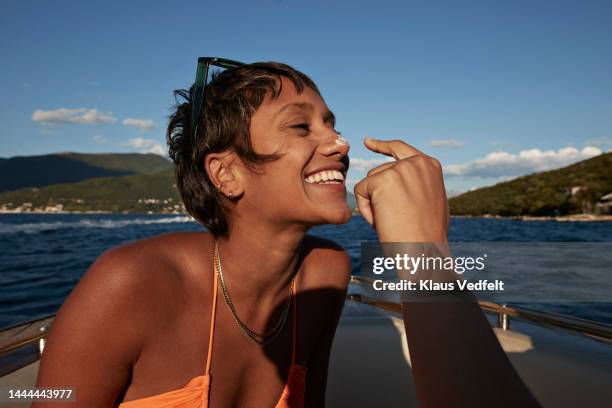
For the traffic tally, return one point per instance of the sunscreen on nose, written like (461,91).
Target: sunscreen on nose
(341,141)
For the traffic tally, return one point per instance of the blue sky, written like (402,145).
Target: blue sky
(492,89)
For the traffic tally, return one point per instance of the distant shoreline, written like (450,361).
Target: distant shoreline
(561,218)
(59,212)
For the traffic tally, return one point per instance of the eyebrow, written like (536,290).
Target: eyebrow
(295,105)
(328,116)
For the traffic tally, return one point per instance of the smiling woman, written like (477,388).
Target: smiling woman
(146,325)
(257,113)
(262,165)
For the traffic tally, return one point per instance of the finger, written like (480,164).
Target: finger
(380,168)
(394,148)
(362,197)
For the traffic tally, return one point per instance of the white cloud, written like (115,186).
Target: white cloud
(79,116)
(448,143)
(503,164)
(142,124)
(367,164)
(147,146)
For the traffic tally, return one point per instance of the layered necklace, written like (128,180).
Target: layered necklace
(259,338)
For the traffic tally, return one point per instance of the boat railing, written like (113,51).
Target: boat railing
(35,331)
(24,334)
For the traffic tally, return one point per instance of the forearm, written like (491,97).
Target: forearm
(456,358)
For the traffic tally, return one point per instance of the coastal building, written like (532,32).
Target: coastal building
(604,206)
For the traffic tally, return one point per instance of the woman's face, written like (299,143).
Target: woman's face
(306,184)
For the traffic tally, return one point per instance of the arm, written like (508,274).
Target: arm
(336,268)
(456,358)
(94,339)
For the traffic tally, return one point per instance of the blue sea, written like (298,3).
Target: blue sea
(42,256)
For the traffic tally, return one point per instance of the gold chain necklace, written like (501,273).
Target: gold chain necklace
(260,338)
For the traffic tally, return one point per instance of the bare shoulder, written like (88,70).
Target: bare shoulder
(141,274)
(327,262)
(100,330)
(126,283)
(116,287)
(135,268)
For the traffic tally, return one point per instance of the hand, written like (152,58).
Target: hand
(404,200)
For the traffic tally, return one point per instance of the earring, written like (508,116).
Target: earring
(230,195)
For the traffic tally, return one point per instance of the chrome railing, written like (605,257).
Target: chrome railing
(23,334)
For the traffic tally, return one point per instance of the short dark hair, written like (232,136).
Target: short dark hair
(230,100)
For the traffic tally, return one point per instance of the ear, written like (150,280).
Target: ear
(223,172)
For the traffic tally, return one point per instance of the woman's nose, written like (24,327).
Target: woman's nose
(336,145)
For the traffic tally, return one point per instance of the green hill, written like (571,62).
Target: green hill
(570,190)
(142,183)
(39,171)
(132,193)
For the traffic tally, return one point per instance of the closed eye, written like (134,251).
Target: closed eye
(301,126)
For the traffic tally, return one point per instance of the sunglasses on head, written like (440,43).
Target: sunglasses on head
(204,64)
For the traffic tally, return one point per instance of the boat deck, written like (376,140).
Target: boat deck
(370,364)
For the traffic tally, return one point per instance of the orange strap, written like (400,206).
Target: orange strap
(212,324)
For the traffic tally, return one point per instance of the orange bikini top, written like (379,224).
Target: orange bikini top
(195,394)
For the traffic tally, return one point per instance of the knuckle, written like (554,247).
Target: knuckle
(436,163)
(427,162)
(419,159)
(395,173)
(404,165)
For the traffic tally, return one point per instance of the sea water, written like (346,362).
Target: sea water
(42,256)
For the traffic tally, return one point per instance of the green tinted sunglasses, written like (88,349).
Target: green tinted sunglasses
(204,64)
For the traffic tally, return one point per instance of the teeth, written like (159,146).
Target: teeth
(324,176)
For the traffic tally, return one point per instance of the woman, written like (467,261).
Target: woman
(265,166)
(244,315)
